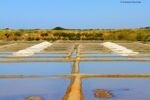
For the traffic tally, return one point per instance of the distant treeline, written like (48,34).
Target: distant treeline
(58,33)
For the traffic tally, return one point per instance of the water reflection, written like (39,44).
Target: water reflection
(51,68)
(122,89)
(19,89)
(115,67)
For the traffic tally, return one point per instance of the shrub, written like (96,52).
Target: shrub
(18,34)
(58,28)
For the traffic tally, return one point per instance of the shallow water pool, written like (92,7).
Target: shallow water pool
(115,67)
(19,89)
(51,68)
(122,89)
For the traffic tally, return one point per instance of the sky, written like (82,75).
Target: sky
(73,14)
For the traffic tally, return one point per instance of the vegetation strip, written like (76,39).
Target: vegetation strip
(140,34)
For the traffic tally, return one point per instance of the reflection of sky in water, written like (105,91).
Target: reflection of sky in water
(18,89)
(99,54)
(115,58)
(38,58)
(115,67)
(54,89)
(50,54)
(28,58)
(51,68)
(122,89)
(110,54)
(37,54)
(146,54)
(5,53)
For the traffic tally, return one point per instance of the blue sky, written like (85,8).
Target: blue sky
(83,14)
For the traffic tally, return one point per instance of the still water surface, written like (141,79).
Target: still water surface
(19,89)
(51,68)
(54,89)
(115,67)
(122,89)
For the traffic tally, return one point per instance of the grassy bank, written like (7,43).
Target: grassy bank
(37,34)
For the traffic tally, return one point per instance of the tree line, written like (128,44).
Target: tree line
(142,34)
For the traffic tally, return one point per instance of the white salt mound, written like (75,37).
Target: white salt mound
(31,50)
(123,51)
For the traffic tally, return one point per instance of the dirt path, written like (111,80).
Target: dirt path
(74,91)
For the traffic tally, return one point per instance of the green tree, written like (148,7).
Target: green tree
(58,28)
